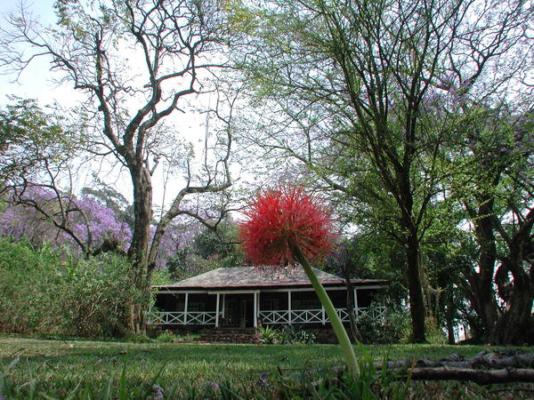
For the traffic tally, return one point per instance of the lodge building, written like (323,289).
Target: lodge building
(246,297)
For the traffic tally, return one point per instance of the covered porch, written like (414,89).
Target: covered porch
(253,307)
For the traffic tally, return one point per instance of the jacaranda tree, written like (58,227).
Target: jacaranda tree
(82,224)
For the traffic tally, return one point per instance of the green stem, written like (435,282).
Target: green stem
(335,321)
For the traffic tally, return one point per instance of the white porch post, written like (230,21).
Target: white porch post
(323,316)
(289,306)
(223,303)
(185,307)
(217,311)
(255,309)
(259,301)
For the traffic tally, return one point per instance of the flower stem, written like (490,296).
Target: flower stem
(335,321)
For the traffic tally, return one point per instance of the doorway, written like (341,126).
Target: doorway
(239,310)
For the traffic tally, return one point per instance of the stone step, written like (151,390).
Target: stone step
(229,335)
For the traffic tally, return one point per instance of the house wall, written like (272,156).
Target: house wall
(273,301)
(176,302)
(201,302)
(170,301)
(366,297)
(269,300)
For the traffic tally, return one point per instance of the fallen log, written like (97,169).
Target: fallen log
(486,367)
(484,359)
(480,376)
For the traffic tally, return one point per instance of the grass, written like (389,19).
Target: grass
(53,368)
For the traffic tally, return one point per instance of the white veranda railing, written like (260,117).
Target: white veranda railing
(267,317)
(316,315)
(181,318)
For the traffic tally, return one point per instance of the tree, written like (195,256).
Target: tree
(81,225)
(357,88)
(111,198)
(135,63)
(33,142)
(342,262)
(494,186)
(206,249)
(221,245)
(36,156)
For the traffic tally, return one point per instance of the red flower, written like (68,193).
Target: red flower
(278,219)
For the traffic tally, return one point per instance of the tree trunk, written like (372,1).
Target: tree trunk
(413,275)
(516,324)
(138,251)
(449,315)
(485,301)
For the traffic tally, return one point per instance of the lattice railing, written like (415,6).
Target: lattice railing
(314,316)
(306,316)
(267,317)
(274,317)
(181,318)
(375,313)
(201,317)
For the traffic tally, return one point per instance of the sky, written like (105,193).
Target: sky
(37,82)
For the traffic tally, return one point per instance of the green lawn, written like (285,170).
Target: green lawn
(56,367)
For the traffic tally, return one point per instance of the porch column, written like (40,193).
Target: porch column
(255,309)
(223,303)
(289,306)
(323,316)
(185,307)
(217,311)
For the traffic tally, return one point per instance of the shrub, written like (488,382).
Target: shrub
(393,328)
(166,336)
(269,335)
(295,335)
(28,284)
(47,292)
(95,294)
(138,338)
(286,335)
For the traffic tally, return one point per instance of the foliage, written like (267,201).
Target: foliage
(393,328)
(91,223)
(138,338)
(95,294)
(285,335)
(166,336)
(493,183)
(111,198)
(204,251)
(367,98)
(281,219)
(126,113)
(269,335)
(112,370)
(44,291)
(31,139)
(294,335)
(220,245)
(28,282)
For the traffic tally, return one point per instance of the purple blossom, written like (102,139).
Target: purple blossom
(24,221)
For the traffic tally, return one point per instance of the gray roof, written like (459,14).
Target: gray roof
(263,276)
